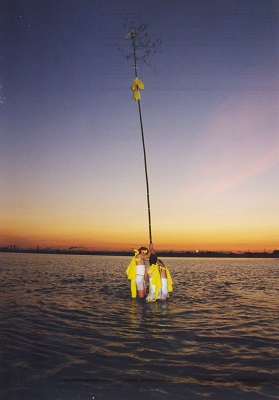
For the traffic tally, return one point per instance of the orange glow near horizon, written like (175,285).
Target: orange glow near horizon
(210,239)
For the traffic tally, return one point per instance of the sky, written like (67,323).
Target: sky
(71,157)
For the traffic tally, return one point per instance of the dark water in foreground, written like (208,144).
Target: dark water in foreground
(69,330)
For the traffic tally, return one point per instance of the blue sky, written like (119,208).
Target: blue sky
(71,157)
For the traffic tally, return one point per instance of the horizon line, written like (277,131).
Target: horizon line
(52,250)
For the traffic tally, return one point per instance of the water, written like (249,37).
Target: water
(69,330)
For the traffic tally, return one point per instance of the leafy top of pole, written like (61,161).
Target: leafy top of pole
(141,47)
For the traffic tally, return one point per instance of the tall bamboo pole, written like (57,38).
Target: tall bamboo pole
(133,36)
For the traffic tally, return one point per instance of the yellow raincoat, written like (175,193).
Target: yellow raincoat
(156,278)
(131,271)
(168,278)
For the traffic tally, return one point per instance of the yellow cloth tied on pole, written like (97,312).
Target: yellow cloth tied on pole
(131,272)
(156,278)
(136,86)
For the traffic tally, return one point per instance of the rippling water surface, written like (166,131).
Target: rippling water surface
(69,330)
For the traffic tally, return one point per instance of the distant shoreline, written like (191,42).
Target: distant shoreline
(186,254)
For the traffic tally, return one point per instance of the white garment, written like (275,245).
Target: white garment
(140,269)
(152,289)
(140,282)
(165,290)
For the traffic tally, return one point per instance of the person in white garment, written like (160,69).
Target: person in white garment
(136,271)
(143,254)
(164,280)
(160,281)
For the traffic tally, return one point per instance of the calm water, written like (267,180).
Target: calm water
(69,330)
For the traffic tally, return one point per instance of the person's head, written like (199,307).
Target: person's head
(152,259)
(143,250)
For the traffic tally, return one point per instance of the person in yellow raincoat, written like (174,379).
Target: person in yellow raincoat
(136,271)
(155,284)
(160,281)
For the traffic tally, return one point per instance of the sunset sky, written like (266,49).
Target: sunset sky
(71,160)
